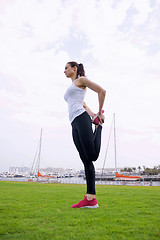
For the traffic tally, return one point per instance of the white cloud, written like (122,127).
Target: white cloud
(143,9)
(28,53)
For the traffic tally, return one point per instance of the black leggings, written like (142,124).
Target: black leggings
(88,145)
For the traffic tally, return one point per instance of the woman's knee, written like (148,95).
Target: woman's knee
(94,159)
(93,156)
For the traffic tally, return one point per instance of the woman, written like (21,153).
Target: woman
(87,143)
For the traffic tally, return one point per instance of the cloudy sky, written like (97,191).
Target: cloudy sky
(118,41)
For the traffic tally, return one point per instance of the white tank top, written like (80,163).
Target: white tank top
(74,96)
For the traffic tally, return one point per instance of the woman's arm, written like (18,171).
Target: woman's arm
(84,82)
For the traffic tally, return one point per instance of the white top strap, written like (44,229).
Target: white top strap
(75,80)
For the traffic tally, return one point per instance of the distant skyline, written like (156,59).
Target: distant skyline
(118,43)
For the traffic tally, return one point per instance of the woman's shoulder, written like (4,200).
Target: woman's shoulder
(82,79)
(81,82)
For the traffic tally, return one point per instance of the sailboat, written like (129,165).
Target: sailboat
(126,177)
(36,163)
(118,176)
(44,176)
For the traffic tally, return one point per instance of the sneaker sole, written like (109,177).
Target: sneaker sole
(95,206)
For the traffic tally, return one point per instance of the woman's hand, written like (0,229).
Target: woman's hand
(101,118)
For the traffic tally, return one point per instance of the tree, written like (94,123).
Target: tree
(129,170)
(155,171)
(144,169)
(148,171)
(139,168)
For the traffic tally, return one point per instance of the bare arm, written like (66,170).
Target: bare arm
(84,82)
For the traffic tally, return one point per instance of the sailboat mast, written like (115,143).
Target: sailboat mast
(107,148)
(115,152)
(39,153)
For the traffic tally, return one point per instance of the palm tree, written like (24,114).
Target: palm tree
(139,168)
(134,169)
(129,170)
(144,169)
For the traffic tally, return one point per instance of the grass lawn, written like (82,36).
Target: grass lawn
(43,211)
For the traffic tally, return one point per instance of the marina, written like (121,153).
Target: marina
(103,176)
(80,180)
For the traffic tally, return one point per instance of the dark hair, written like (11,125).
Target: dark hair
(80,68)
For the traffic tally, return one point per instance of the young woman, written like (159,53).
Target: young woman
(87,142)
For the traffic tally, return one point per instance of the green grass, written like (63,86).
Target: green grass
(43,211)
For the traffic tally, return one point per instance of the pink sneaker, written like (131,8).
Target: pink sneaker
(86,204)
(95,119)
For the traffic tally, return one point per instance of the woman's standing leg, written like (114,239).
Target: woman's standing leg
(88,165)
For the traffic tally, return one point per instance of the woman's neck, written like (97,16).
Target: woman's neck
(74,77)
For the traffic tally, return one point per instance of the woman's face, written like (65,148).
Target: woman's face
(69,71)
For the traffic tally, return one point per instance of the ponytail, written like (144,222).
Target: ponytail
(80,68)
